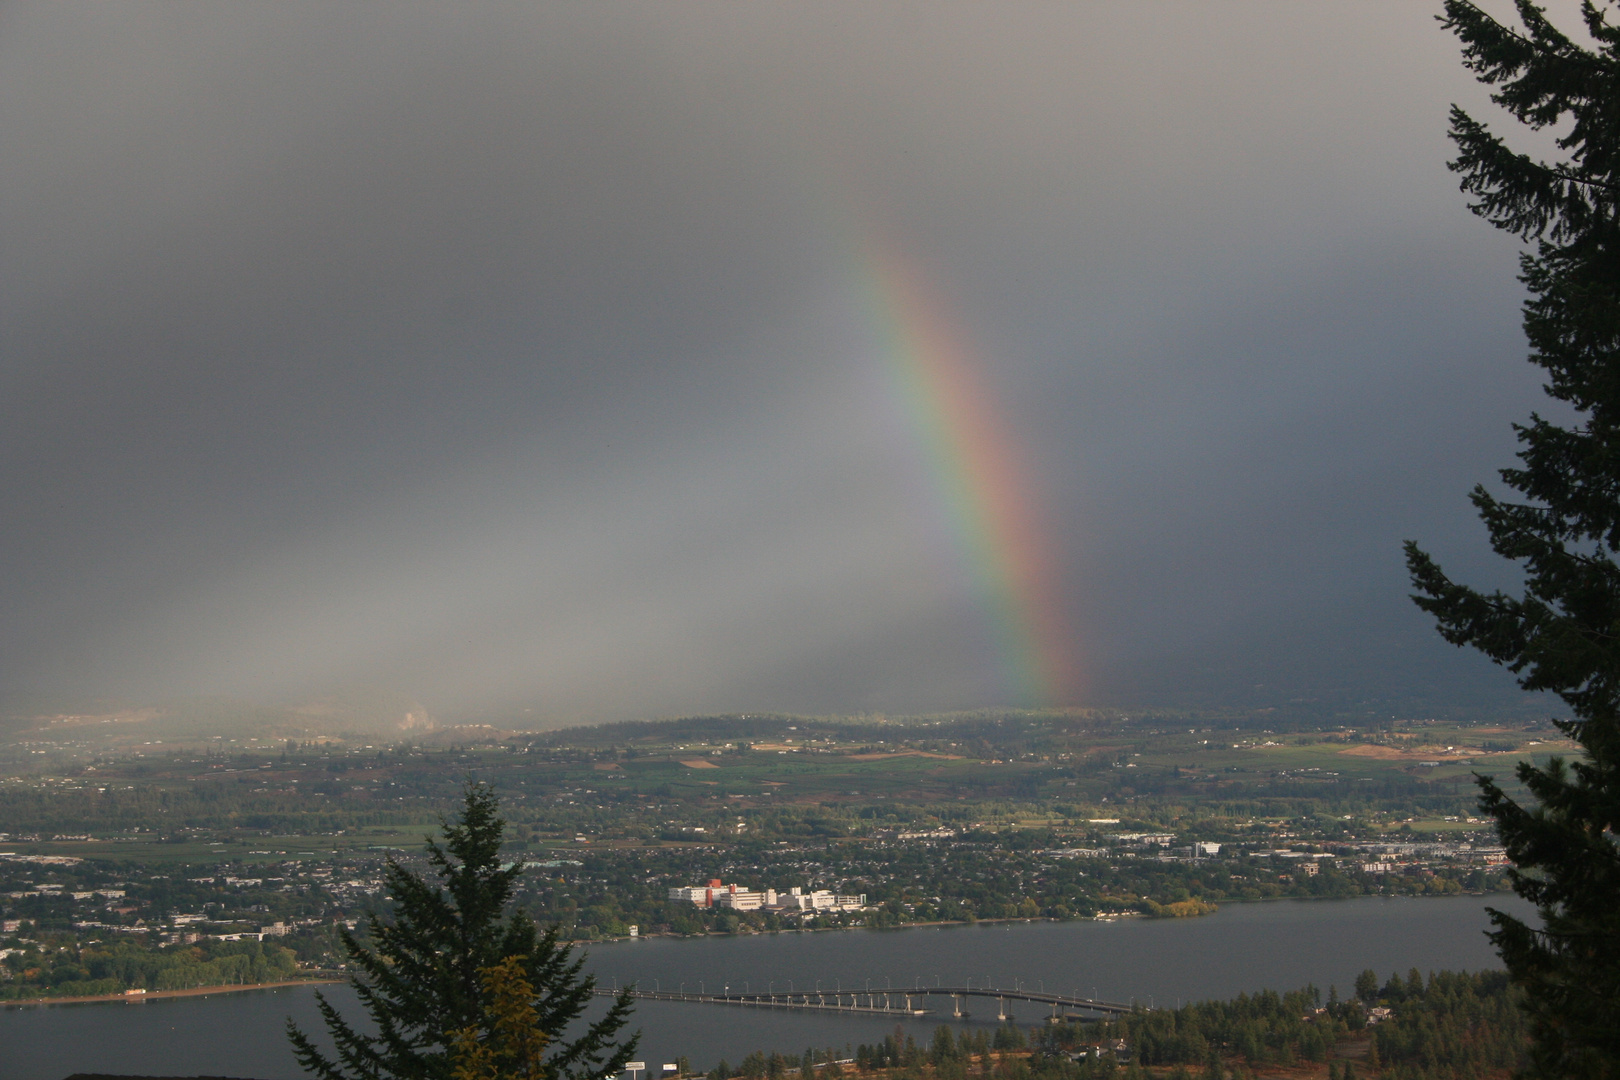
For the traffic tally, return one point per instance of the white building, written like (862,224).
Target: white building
(692,894)
(744,900)
(716,894)
(797,899)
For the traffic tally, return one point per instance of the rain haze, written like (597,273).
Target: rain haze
(608,361)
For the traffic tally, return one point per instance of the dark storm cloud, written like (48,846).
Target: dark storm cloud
(517,358)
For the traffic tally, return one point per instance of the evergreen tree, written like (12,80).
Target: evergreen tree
(1563,524)
(514,1045)
(458,989)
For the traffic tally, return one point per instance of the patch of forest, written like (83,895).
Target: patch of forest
(1450,1026)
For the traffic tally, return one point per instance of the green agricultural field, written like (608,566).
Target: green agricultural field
(723,780)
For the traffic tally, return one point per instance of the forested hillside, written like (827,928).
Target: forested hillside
(1450,1026)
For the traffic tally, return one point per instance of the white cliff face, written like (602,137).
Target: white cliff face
(378,711)
(417,721)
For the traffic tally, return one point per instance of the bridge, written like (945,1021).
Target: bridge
(889,1002)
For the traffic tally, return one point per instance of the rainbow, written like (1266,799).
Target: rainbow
(979,480)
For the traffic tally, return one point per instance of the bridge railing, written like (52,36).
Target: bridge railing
(848,1000)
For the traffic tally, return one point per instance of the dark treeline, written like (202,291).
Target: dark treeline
(1454,1027)
(1450,1026)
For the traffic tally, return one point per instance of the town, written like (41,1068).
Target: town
(726,826)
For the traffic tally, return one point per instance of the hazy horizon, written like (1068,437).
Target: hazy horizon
(616,362)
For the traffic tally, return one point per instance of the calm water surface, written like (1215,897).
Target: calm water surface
(1243,947)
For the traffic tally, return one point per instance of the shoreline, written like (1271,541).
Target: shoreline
(158,995)
(236,988)
(1113,916)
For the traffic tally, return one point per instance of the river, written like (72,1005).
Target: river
(1243,947)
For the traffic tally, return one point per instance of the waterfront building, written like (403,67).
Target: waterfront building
(744,900)
(717,894)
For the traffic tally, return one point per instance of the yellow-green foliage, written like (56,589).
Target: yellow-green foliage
(513,1048)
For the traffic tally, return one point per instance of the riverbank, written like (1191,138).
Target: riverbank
(155,995)
(1110,916)
(1177,910)
(1243,948)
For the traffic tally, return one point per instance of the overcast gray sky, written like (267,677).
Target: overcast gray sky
(530,357)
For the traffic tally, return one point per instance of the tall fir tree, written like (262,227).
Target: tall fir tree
(451,979)
(1561,634)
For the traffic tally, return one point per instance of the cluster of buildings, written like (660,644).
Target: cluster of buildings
(1118,1049)
(1370,857)
(717,894)
(1384,858)
(1142,839)
(183,934)
(918,834)
(60,891)
(1128,844)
